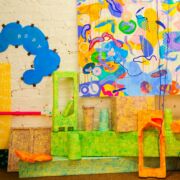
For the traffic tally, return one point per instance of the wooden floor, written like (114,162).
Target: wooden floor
(131,176)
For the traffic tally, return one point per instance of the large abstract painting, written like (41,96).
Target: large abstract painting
(128,47)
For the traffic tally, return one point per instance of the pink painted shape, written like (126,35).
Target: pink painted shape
(20,113)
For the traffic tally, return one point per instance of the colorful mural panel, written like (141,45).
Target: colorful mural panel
(128,47)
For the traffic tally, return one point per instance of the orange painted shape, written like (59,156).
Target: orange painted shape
(32,158)
(175,126)
(146,119)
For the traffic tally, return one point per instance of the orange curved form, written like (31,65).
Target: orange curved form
(32,158)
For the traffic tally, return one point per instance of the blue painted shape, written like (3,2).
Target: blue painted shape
(115,8)
(178,68)
(32,77)
(12,34)
(34,41)
(3,43)
(120,71)
(111,22)
(47,62)
(87,69)
(120,54)
(162,52)
(85,28)
(133,68)
(79,30)
(147,48)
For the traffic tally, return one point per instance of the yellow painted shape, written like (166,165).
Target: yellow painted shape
(146,62)
(5,104)
(151,32)
(172,7)
(105,28)
(93,10)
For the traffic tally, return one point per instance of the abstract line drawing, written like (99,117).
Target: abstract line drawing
(128,48)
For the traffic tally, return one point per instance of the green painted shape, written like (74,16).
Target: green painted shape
(95,165)
(68,110)
(59,120)
(98,55)
(104,120)
(127,27)
(110,143)
(74,147)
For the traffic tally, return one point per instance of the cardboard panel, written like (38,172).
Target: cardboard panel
(33,140)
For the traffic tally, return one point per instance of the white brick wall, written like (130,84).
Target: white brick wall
(57,20)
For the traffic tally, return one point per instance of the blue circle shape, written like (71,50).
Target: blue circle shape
(34,41)
(32,77)
(12,34)
(3,43)
(47,62)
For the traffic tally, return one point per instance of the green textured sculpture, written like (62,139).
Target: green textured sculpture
(66,120)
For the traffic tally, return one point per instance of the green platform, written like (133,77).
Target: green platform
(64,167)
(111,144)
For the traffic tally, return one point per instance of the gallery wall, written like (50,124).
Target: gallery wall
(57,20)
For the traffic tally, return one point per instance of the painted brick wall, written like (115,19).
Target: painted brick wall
(57,20)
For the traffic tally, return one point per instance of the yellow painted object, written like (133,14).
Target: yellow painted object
(5,104)
(153,119)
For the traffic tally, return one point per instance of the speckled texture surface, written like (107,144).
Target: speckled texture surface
(125,110)
(115,144)
(63,167)
(110,143)
(33,140)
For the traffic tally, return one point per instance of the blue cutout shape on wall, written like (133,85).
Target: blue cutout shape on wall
(34,42)
(146,47)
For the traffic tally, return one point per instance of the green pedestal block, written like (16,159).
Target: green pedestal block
(95,165)
(109,143)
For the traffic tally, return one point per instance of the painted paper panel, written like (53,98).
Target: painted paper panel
(128,47)
(5,104)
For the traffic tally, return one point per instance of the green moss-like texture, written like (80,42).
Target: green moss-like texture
(110,144)
(95,165)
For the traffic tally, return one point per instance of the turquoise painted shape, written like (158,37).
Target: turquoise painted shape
(104,120)
(94,165)
(65,121)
